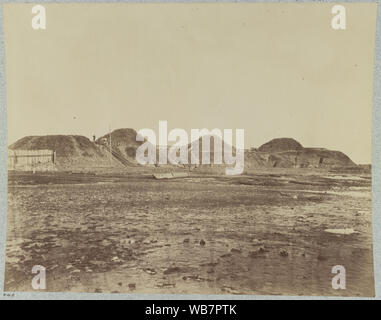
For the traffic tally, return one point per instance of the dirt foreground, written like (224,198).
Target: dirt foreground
(262,233)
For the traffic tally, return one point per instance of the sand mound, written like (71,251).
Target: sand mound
(123,143)
(216,144)
(280,144)
(124,136)
(302,158)
(289,153)
(72,152)
(65,146)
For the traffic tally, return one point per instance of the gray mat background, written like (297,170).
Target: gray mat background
(376,175)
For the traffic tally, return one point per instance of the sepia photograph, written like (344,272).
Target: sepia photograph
(190,148)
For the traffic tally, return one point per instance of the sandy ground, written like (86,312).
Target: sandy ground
(256,234)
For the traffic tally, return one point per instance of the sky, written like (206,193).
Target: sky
(274,70)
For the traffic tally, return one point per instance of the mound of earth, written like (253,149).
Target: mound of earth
(319,157)
(215,143)
(280,144)
(289,153)
(123,142)
(72,151)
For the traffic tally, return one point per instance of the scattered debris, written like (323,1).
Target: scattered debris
(150,271)
(195,278)
(166,285)
(127,242)
(116,259)
(171,270)
(202,242)
(283,253)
